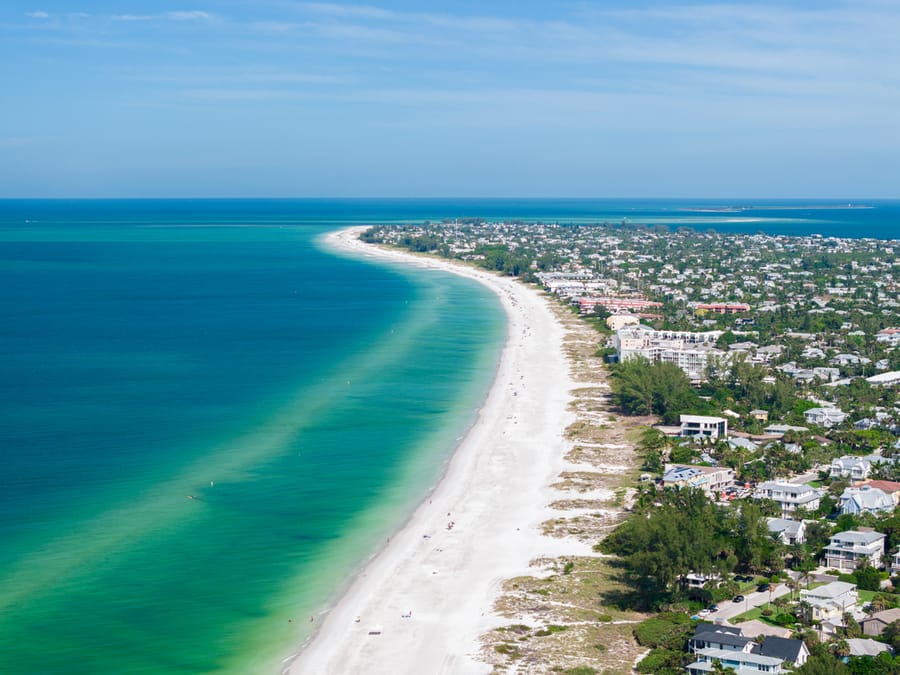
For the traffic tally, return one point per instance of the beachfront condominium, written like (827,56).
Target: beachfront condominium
(694,353)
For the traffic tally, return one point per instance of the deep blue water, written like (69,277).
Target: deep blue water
(208,422)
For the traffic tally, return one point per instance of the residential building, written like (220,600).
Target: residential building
(788,650)
(848,466)
(789,532)
(708,478)
(742,663)
(895,563)
(825,417)
(699,580)
(723,308)
(865,499)
(885,379)
(733,649)
(704,426)
(616,321)
(876,623)
(789,496)
(889,336)
(781,429)
(866,647)
(694,353)
(725,638)
(849,550)
(889,487)
(831,600)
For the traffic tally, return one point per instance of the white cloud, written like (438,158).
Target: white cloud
(193,15)
(358,11)
(37,15)
(132,17)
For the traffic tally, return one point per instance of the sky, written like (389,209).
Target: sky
(449,98)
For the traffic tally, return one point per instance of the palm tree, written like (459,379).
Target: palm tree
(792,584)
(879,603)
(719,669)
(839,648)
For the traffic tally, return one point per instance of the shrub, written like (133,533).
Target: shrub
(661,662)
(784,619)
(512,651)
(669,631)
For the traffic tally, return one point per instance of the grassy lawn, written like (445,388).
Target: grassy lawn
(866,596)
(755,613)
(815,483)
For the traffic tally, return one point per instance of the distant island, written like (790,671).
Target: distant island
(770,207)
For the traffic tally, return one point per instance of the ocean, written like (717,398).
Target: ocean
(209,421)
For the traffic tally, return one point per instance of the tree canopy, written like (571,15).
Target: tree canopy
(641,387)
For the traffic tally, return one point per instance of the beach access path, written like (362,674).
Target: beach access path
(422,603)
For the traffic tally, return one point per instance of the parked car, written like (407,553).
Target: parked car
(763,587)
(738,598)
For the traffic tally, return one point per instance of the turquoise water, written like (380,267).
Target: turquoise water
(304,401)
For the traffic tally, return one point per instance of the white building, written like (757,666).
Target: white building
(710,479)
(889,336)
(694,353)
(826,417)
(789,532)
(789,496)
(704,426)
(849,550)
(831,600)
(848,466)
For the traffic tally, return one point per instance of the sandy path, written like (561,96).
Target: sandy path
(494,492)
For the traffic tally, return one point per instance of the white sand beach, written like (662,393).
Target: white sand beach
(421,604)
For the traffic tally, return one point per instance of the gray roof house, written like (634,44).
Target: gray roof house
(865,499)
(848,466)
(826,417)
(866,647)
(792,651)
(848,550)
(831,600)
(727,644)
(742,663)
(789,496)
(789,531)
(875,624)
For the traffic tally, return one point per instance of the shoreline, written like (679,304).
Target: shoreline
(425,599)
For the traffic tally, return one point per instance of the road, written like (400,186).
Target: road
(729,609)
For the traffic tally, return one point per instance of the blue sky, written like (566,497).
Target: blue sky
(449,98)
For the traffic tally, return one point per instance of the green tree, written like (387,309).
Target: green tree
(719,669)
(822,664)
(644,388)
(868,578)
